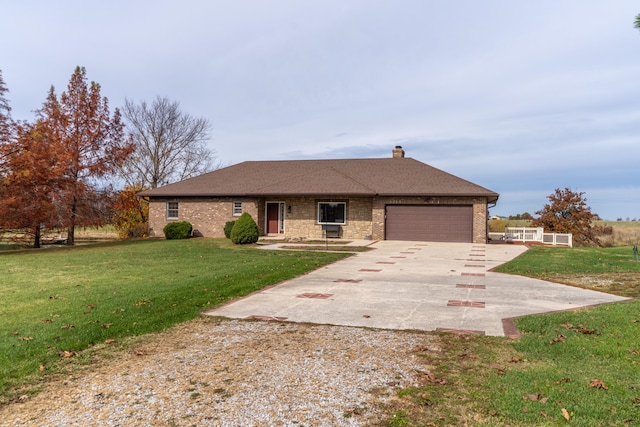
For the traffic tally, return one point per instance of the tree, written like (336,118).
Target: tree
(5,113)
(169,145)
(91,144)
(637,23)
(131,213)
(567,212)
(31,178)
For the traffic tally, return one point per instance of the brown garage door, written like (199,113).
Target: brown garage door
(429,223)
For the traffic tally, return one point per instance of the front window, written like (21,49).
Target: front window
(172,210)
(237,208)
(332,212)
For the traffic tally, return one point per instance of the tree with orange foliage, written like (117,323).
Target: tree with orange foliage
(131,213)
(92,146)
(567,212)
(32,176)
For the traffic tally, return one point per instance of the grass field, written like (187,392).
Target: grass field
(577,367)
(67,307)
(58,302)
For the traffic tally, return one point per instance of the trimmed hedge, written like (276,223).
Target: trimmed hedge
(227,229)
(245,230)
(177,230)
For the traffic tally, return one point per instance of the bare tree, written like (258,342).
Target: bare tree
(5,113)
(170,145)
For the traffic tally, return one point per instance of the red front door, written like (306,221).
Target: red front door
(273,210)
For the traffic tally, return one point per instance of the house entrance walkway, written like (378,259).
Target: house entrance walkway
(413,285)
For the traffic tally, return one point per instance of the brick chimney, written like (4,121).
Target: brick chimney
(398,152)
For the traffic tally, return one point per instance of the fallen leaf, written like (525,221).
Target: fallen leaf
(598,384)
(67,327)
(109,340)
(106,325)
(634,351)
(67,354)
(139,352)
(46,321)
(533,397)
(563,380)
(41,368)
(559,338)
(366,316)
(567,325)
(587,331)
(25,338)
(91,306)
(515,360)
(565,414)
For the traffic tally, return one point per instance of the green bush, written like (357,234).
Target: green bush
(245,230)
(227,229)
(177,230)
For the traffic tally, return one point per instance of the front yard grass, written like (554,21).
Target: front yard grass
(56,303)
(576,367)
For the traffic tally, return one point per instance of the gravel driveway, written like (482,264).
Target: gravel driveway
(237,373)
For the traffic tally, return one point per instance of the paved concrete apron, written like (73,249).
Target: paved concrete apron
(409,285)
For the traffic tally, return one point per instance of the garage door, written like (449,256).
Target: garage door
(429,223)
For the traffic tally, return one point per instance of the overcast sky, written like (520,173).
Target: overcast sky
(520,97)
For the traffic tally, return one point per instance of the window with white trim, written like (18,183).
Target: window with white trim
(237,208)
(332,213)
(172,210)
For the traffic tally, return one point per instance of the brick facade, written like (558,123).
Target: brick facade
(208,215)
(365,216)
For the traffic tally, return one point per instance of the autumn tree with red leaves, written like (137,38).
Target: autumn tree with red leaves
(568,212)
(92,146)
(32,178)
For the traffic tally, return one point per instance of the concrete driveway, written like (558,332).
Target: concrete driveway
(422,286)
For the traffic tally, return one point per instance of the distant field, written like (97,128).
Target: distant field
(634,224)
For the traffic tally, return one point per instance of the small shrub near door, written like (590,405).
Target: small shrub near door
(245,230)
(177,230)
(227,229)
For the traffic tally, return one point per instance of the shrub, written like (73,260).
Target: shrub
(245,230)
(227,229)
(177,230)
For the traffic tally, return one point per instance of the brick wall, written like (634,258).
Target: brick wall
(365,216)
(208,215)
(302,220)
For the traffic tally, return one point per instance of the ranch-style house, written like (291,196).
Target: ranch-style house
(395,198)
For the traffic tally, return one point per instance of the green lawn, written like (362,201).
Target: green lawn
(544,261)
(68,299)
(581,365)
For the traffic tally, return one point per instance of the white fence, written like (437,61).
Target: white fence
(529,234)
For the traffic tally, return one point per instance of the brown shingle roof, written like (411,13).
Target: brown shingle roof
(348,177)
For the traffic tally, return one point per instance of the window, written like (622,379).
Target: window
(237,208)
(332,212)
(172,210)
